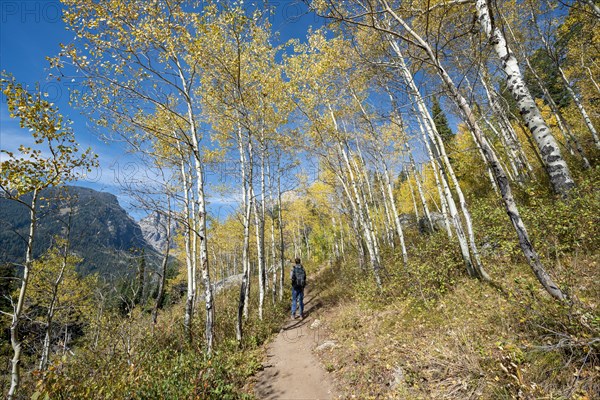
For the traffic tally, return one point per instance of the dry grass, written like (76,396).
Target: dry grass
(472,342)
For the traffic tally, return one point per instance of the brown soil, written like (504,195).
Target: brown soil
(292,371)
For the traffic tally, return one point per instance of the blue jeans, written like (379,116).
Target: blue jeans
(297,295)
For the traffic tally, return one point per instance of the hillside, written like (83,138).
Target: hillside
(102,232)
(434,167)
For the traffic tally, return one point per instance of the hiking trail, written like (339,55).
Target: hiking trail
(291,370)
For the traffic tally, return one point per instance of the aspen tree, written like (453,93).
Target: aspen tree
(145,57)
(555,165)
(404,31)
(566,83)
(54,159)
(499,174)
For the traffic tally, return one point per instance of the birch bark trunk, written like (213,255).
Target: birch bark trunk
(517,159)
(419,186)
(448,204)
(562,123)
(435,140)
(368,233)
(189,255)
(273,246)
(51,307)
(281,239)
(413,197)
(399,231)
(163,273)
(501,178)
(15,340)
(567,84)
(260,248)
(389,222)
(555,165)
(356,210)
(244,287)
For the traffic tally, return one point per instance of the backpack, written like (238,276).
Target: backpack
(299,277)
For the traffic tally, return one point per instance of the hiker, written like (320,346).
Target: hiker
(298,278)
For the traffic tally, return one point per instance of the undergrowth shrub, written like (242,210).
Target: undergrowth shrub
(449,336)
(132,359)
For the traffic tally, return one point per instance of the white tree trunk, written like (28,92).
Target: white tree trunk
(562,123)
(390,193)
(368,233)
(476,142)
(434,139)
(368,217)
(15,340)
(260,245)
(190,256)
(567,84)
(556,167)
(246,202)
(51,307)
(589,71)
(389,222)
(448,204)
(501,179)
(281,239)
(419,186)
(580,107)
(413,197)
(163,269)
(595,8)
(516,159)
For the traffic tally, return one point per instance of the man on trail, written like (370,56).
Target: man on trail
(298,278)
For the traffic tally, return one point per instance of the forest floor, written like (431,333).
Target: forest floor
(292,370)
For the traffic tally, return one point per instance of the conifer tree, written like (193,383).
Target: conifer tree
(441,122)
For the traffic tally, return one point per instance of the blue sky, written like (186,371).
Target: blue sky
(32,30)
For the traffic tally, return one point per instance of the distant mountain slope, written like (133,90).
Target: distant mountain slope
(154,230)
(101,230)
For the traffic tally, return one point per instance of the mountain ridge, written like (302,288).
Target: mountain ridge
(101,231)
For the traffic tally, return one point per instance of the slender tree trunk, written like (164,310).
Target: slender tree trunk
(260,247)
(448,204)
(428,127)
(419,186)
(567,84)
(589,71)
(281,239)
(413,197)
(476,142)
(51,307)
(501,178)
(246,201)
(562,123)
(580,107)
(189,254)
(259,220)
(15,340)
(517,159)
(273,245)
(368,218)
(556,167)
(389,222)
(436,138)
(368,233)
(357,226)
(390,193)
(163,268)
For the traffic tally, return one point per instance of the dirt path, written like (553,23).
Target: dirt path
(292,371)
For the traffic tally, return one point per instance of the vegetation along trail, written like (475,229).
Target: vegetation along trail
(434,164)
